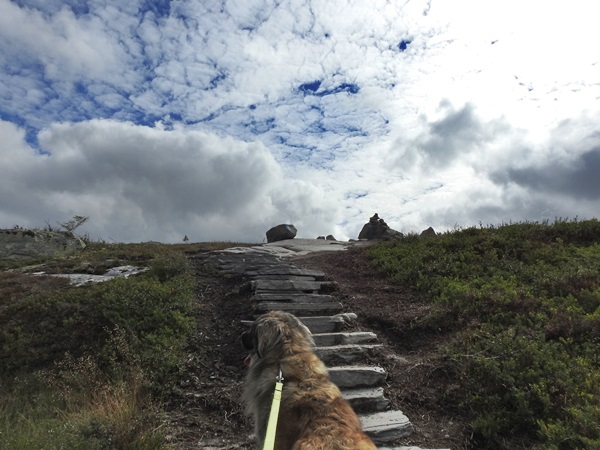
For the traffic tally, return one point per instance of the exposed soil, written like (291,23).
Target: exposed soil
(206,413)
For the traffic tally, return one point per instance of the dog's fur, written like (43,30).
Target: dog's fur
(313,414)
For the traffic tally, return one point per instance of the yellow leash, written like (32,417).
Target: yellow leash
(272,424)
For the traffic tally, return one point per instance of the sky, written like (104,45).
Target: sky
(219,119)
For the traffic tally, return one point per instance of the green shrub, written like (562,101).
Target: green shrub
(525,303)
(157,317)
(155,311)
(82,368)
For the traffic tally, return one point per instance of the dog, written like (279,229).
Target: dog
(313,414)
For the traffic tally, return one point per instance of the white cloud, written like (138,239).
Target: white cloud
(427,112)
(66,45)
(138,183)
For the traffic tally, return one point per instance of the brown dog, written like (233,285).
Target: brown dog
(313,414)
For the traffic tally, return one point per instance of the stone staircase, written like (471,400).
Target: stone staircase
(274,284)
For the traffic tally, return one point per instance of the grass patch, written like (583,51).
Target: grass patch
(86,367)
(524,307)
(77,406)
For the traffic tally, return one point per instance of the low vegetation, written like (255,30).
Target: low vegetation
(521,305)
(87,367)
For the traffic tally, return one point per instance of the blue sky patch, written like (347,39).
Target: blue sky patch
(310,88)
(403,45)
(313,87)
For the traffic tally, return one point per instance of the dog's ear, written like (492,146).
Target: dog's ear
(269,336)
(248,340)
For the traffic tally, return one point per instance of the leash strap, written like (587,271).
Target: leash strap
(272,425)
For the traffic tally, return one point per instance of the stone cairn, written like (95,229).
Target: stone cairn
(275,284)
(377,229)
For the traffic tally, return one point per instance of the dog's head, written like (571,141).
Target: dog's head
(275,335)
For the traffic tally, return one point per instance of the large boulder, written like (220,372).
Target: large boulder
(429,232)
(19,244)
(377,229)
(281,233)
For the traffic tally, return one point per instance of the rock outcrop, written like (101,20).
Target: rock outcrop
(330,237)
(19,244)
(377,229)
(281,232)
(429,232)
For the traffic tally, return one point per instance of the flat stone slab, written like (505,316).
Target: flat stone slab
(293,298)
(291,247)
(294,247)
(356,337)
(305,246)
(344,354)
(242,263)
(387,426)
(299,309)
(286,270)
(328,324)
(367,400)
(82,279)
(322,324)
(281,277)
(357,376)
(255,250)
(240,268)
(291,285)
(263,260)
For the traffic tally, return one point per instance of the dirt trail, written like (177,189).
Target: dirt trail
(206,413)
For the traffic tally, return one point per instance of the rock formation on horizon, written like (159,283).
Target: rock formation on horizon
(281,232)
(429,232)
(377,229)
(21,244)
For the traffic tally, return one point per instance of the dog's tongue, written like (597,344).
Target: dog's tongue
(247,359)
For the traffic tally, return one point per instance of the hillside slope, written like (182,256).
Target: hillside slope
(491,341)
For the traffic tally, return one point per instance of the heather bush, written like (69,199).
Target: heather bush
(86,367)
(524,303)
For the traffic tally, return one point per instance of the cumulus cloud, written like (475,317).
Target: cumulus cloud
(456,135)
(460,168)
(335,109)
(577,179)
(139,183)
(566,167)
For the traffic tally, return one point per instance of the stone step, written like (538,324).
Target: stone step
(299,309)
(258,260)
(348,377)
(385,427)
(243,266)
(322,324)
(281,277)
(366,400)
(356,337)
(279,286)
(239,268)
(289,285)
(248,252)
(294,298)
(281,270)
(329,324)
(345,354)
